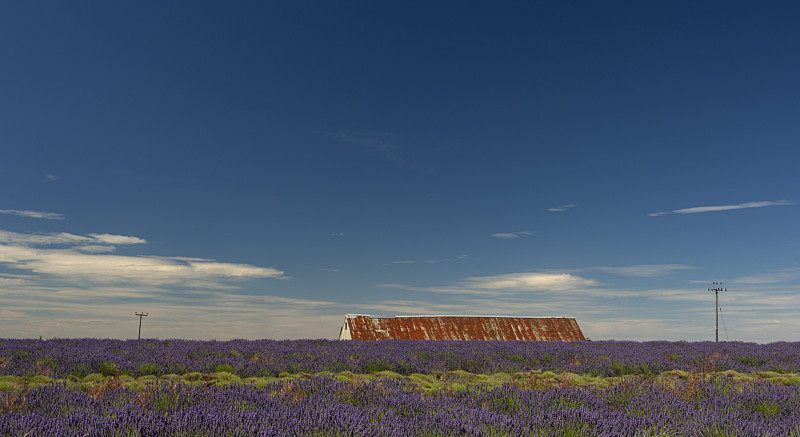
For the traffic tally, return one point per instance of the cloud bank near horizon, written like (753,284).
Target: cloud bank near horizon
(91,288)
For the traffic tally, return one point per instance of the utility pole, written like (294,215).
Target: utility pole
(717,287)
(140,323)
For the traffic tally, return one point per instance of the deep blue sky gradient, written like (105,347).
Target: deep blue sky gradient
(356,145)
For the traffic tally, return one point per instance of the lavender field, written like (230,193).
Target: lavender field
(172,387)
(61,358)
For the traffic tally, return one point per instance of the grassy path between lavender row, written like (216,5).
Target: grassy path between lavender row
(429,383)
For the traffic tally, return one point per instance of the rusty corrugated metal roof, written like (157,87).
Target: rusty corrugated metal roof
(363,327)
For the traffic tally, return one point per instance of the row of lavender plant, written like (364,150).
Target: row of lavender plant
(61,358)
(322,406)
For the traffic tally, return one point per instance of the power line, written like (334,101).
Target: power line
(723,323)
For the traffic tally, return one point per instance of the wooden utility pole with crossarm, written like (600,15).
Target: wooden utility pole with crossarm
(716,288)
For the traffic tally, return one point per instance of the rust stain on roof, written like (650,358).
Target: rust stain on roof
(363,327)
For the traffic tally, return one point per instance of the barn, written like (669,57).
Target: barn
(364,327)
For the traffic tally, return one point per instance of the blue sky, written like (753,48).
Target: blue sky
(261,169)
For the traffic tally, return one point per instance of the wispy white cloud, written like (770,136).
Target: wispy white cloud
(51,177)
(528,282)
(699,209)
(673,294)
(431,261)
(64,238)
(645,270)
(416,307)
(511,283)
(8,314)
(560,208)
(12,279)
(117,239)
(393,285)
(88,262)
(776,276)
(33,214)
(512,235)
(95,248)
(211,268)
